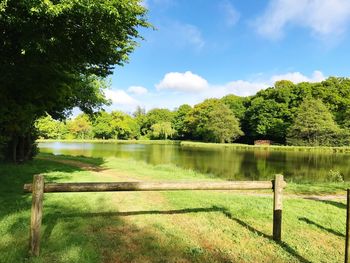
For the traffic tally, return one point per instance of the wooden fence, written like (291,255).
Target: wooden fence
(39,187)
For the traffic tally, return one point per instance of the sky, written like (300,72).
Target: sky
(210,48)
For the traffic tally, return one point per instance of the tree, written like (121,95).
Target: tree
(157,116)
(54,55)
(80,127)
(102,127)
(49,128)
(222,125)
(124,126)
(313,125)
(179,121)
(236,105)
(212,120)
(197,118)
(162,130)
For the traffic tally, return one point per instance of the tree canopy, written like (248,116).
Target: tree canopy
(54,56)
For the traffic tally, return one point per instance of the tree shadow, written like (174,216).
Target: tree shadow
(55,217)
(15,204)
(282,244)
(329,230)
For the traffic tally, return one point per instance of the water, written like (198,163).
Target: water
(232,164)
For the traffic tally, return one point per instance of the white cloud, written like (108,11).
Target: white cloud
(231,15)
(187,82)
(297,77)
(137,90)
(120,97)
(196,88)
(322,17)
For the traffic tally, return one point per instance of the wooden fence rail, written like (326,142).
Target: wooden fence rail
(38,188)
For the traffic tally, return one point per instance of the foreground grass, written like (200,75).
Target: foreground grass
(184,226)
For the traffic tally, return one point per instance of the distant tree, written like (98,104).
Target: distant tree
(49,128)
(236,105)
(102,127)
(212,120)
(313,125)
(124,126)
(162,130)
(141,119)
(179,121)
(80,127)
(222,125)
(197,119)
(156,116)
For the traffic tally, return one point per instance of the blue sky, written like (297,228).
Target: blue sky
(207,48)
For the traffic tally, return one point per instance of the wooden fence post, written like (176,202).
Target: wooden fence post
(347,226)
(36,216)
(277,207)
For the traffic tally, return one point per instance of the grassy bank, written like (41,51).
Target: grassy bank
(344,149)
(185,226)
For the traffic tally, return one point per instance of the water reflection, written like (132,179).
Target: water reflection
(227,163)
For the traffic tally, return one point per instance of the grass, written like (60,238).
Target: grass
(184,226)
(341,149)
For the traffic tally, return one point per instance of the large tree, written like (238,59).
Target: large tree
(313,125)
(54,55)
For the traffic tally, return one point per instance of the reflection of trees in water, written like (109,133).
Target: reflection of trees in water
(232,164)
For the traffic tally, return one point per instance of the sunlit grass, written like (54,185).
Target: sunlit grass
(183,226)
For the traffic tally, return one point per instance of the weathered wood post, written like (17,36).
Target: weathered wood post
(347,234)
(278,185)
(36,216)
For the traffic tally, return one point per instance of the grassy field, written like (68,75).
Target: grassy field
(184,226)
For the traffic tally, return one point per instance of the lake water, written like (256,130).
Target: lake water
(232,164)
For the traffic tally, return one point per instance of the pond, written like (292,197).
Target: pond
(228,163)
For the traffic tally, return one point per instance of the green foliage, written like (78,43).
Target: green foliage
(102,126)
(54,56)
(124,126)
(80,127)
(49,128)
(313,125)
(179,121)
(162,130)
(222,125)
(211,120)
(236,105)
(270,114)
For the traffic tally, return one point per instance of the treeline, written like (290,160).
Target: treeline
(295,114)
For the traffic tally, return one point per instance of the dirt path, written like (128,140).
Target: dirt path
(121,176)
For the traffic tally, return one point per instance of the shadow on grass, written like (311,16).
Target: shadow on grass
(15,204)
(54,218)
(59,216)
(282,244)
(329,230)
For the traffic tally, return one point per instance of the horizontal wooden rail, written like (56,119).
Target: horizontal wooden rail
(151,186)
(39,187)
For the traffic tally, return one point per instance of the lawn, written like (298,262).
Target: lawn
(183,226)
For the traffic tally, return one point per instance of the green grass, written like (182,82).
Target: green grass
(184,226)
(342,149)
